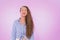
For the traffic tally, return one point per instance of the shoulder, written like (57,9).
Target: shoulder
(15,21)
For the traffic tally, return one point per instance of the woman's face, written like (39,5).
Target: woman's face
(23,11)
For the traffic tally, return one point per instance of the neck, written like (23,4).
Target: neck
(22,20)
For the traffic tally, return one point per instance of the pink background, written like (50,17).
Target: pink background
(46,16)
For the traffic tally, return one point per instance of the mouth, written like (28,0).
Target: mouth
(23,13)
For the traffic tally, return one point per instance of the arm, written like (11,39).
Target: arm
(25,38)
(14,32)
(32,37)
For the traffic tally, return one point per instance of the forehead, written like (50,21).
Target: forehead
(24,8)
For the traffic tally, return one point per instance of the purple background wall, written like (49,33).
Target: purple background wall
(46,16)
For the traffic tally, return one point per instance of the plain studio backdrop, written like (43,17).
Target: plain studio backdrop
(45,13)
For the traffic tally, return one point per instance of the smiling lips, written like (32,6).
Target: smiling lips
(23,13)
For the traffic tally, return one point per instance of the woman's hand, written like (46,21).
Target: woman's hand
(24,38)
(17,39)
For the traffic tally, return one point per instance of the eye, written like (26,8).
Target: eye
(25,9)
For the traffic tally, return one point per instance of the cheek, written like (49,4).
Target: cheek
(26,13)
(23,13)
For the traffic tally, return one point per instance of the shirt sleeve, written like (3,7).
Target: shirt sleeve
(13,36)
(32,37)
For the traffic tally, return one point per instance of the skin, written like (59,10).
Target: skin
(23,11)
(26,18)
(23,14)
(22,20)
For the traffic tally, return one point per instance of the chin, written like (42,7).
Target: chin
(24,15)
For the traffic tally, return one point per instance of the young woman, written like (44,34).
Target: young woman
(23,27)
